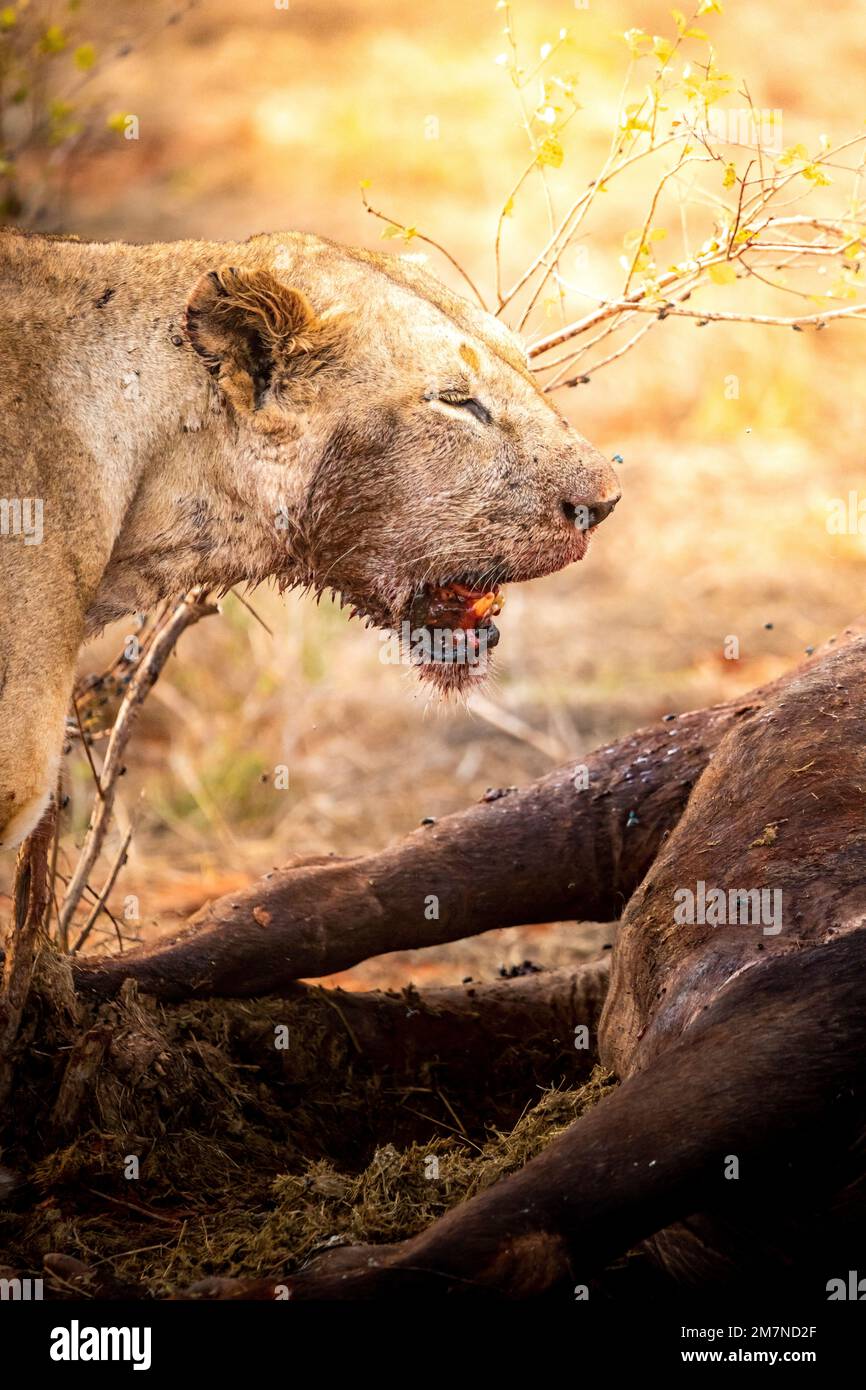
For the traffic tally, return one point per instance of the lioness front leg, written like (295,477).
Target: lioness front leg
(41,627)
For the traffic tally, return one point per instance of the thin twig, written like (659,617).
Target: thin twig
(420,236)
(187,611)
(83,737)
(590,372)
(335,1006)
(249,607)
(118,864)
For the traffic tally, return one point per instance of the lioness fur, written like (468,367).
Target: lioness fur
(220,413)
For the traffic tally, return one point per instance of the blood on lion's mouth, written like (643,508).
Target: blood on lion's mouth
(459,616)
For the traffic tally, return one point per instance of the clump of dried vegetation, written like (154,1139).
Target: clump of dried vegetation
(248,1159)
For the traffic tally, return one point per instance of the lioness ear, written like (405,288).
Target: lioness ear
(254,332)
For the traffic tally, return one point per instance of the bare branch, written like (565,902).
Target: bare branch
(187,611)
(818,320)
(101,900)
(597,366)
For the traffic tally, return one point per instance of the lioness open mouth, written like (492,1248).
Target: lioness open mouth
(458,615)
(449,632)
(444,628)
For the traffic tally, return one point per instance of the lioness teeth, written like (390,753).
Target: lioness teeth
(462,607)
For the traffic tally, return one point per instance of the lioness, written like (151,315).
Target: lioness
(217,413)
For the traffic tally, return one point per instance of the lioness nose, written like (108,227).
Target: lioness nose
(584,514)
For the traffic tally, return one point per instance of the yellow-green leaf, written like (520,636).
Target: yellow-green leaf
(842,289)
(723,274)
(730,177)
(662,48)
(815,174)
(792,155)
(550,152)
(85,56)
(53,40)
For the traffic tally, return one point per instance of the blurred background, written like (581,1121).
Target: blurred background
(256,116)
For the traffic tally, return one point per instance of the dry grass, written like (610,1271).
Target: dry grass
(251,1159)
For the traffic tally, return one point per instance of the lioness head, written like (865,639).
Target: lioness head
(433,470)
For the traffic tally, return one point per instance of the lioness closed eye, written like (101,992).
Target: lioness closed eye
(213,413)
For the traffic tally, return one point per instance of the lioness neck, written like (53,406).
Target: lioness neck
(176,494)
